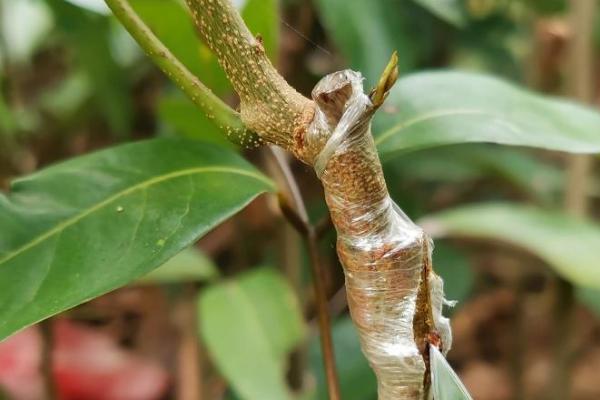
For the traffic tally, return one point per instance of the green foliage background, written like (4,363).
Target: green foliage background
(78,229)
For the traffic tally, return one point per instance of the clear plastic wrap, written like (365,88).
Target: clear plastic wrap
(386,257)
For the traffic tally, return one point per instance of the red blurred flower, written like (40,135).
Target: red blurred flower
(87,365)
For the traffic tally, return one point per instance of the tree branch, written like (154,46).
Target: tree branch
(269,106)
(297,216)
(323,317)
(223,116)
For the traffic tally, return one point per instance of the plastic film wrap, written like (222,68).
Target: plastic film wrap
(386,257)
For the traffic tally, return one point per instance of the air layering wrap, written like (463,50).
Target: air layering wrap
(395,299)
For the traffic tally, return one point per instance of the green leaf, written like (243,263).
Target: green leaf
(367,32)
(21,40)
(440,108)
(357,380)
(462,164)
(188,266)
(89,34)
(184,119)
(494,46)
(249,324)
(97,6)
(454,268)
(567,244)
(79,229)
(445,384)
(262,18)
(171,22)
(451,11)
(66,99)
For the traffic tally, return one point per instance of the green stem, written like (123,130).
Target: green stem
(223,116)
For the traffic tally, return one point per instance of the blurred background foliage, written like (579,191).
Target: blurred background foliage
(74,81)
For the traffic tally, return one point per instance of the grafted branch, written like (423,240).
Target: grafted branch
(390,284)
(394,296)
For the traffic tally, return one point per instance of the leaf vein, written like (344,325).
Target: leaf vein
(142,185)
(426,117)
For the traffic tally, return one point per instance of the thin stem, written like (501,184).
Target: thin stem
(223,116)
(564,309)
(189,363)
(576,200)
(290,254)
(518,340)
(580,79)
(47,348)
(323,316)
(289,248)
(298,217)
(294,189)
(386,81)
(290,214)
(269,105)
(323,226)
(339,302)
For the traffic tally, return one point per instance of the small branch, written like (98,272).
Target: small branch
(290,254)
(269,106)
(581,86)
(289,237)
(301,226)
(290,181)
(563,310)
(519,345)
(189,384)
(47,348)
(339,302)
(323,316)
(223,116)
(298,217)
(323,226)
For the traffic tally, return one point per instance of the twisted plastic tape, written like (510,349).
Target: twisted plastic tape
(383,252)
